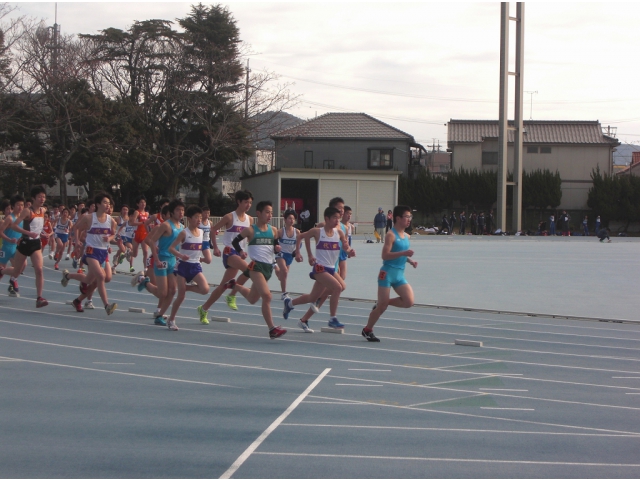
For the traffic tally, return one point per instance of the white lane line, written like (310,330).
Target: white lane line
(333,403)
(503,390)
(152,377)
(456,460)
(455,430)
(112,363)
(492,418)
(447,400)
(632,393)
(356,385)
(638,378)
(504,408)
(368,370)
(251,449)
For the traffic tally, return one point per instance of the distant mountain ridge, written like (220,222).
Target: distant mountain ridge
(622,155)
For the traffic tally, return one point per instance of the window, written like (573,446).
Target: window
(328,164)
(545,149)
(489,158)
(380,158)
(308,159)
(261,168)
(532,149)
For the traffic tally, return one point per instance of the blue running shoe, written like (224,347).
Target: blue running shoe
(334,323)
(74,263)
(159,320)
(287,308)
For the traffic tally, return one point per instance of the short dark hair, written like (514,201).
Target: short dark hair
(139,198)
(164,200)
(242,195)
(175,203)
(192,210)
(330,212)
(37,190)
(15,199)
(289,212)
(205,208)
(165,211)
(347,208)
(3,206)
(124,205)
(262,204)
(335,200)
(399,211)
(101,196)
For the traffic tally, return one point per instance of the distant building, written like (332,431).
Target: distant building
(633,168)
(573,148)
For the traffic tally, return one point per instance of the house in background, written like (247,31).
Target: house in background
(351,155)
(573,148)
(633,168)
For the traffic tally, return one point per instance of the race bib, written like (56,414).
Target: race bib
(161,265)
(88,250)
(318,268)
(382,275)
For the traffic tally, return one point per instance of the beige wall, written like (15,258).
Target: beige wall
(574,163)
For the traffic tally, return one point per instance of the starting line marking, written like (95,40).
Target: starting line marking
(468,343)
(356,385)
(504,408)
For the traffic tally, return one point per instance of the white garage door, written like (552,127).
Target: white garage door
(346,189)
(374,194)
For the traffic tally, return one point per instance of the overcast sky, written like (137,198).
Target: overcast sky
(417,65)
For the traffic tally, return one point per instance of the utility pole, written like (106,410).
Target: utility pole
(531,109)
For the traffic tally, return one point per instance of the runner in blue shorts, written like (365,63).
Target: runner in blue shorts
(205,226)
(9,237)
(287,236)
(395,255)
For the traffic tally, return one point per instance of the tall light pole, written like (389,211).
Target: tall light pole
(531,109)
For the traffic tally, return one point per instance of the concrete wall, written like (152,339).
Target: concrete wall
(264,187)
(349,154)
(574,163)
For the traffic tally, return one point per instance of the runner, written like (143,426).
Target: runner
(287,236)
(100,229)
(62,229)
(10,239)
(233,223)
(263,241)
(137,219)
(123,242)
(205,226)
(189,269)
(32,219)
(153,221)
(329,239)
(47,232)
(73,215)
(395,255)
(159,240)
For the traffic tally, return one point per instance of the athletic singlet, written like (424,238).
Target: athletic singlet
(328,248)
(260,248)
(347,230)
(164,242)
(235,229)
(97,231)
(142,217)
(63,229)
(34,223)
(399,245)
(46,229)
(11,233)
(192,246)
(288,244)
(206,231)
(129,230)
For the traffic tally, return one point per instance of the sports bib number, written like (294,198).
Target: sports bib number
(88,250)
(382,275)
(161,265)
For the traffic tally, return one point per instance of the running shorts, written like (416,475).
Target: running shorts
(188,270)
(28,246)
(164,266)
(317,268)
(391,277)
(266,269)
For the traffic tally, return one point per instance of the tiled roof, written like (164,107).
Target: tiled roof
(344,126)
(537,132)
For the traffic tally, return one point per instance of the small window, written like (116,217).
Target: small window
(261,168)
(545,149)
(532,149)
(328,164)
(380,158)
(308,159)
(489,158)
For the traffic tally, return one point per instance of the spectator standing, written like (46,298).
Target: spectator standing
(566,218)
(552,225)
(489,222)
(463,223)
(445,226)
(481,223)
(597,225)
(389,221)
(585,226)
(473,223)
(379,224)
(452,222)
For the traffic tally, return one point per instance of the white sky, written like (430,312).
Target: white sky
(416,65)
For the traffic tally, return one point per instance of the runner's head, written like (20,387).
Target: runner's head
(244,200)
(332,217)
(176,209)
(264,211)
(194,214)
(17,204)
(205,212)
(124,210)
(103,202)
(402,213)
(38,195)
(5,207)
(337,202)
(141,202)
(346,214)
(289,217)
(64,213)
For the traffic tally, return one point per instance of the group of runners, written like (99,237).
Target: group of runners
(178,239)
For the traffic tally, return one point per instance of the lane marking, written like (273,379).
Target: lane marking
(251,449)
(356,385)
(447,400)
(455,430)
(370,370)
(504,389)
(113,363)
(437,459)
(638,378)
(504,408)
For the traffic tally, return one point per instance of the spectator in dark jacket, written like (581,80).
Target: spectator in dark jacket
(452,222)
(463,223)
(379,223)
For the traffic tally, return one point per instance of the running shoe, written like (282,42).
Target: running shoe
(231,302)
(89,305)
(56,267)
(172,326)
(74,263)
(230,284)
(78,305)
(67,257)
(288,306)
(304,326)
(159,320)
(81,270)
(284,295)
(131,269)
(370,336)
(315,306)
(203,315)
(334,323)
(41,302)
(51,256)
(127,254)
(276,332)
(1,270)
(65,278)
(13,289)
(120,258)
(110,308)
(83,288)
